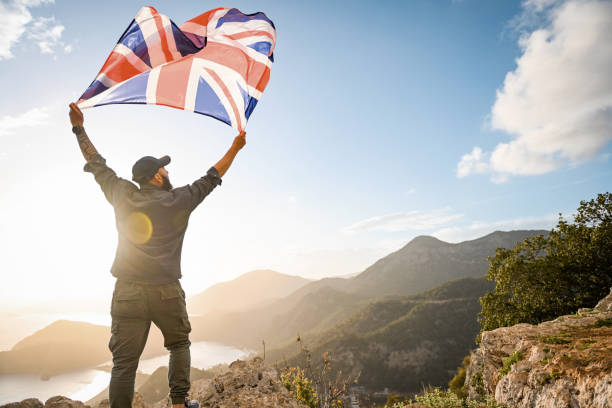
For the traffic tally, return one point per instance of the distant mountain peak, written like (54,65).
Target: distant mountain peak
(255,287)
(426,238)
(425,241)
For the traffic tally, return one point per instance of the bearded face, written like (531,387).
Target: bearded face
(166,183)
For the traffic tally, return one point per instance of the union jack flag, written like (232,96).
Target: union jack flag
(217,64)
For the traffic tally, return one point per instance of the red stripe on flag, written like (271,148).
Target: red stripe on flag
(251,33)
(226,91)
(162,36)
(239,61)
(263,81)
(204,18)
(172,83)
(118,68)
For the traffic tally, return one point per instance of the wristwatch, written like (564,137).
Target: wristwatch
(77,129)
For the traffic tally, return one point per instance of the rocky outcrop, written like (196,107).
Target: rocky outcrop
(563,363)
(26,403)
(248,384)
(53,402)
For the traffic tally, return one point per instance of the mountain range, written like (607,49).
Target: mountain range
(400,343)
(422,264)
(243,312)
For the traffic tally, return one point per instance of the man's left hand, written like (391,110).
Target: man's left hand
(239,141)
(76,116)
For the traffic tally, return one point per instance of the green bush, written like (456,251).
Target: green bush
(544,277)
(437,398)
(296,382)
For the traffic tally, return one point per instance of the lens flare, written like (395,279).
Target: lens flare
(139,227)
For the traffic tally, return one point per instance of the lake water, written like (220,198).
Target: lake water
(85,384)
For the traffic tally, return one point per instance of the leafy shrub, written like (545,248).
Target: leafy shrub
(542,278)
(437,398)
(296,382)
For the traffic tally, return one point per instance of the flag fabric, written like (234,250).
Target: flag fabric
(217,64)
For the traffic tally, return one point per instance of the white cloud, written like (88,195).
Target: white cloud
(539,5)
(47,34)
(411,190)
(478,229)
(17,22)
(474,162)
(33,117)
(408,221)
(557,103)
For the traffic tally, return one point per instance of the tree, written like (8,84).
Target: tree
(544,277)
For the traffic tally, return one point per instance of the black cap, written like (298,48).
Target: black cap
(144,169)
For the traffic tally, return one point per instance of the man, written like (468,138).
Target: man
(151,223)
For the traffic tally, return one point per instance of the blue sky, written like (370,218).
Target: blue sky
(380,123)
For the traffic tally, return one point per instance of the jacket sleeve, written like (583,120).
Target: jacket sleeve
(200,188)
(114,187)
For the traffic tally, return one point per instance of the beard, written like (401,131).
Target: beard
(166,184)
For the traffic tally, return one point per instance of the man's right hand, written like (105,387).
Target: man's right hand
(239,141)
(76,116)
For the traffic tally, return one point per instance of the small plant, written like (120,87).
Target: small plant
(544,379)
(478,383)
(296,382)
(509,361)
(548,377)
(316,387)
(547,356)
(600,323)
(585,344)
(556,339)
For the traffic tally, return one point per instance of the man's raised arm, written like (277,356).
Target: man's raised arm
(76,119)
(112,186)
(203,186)
(226,161)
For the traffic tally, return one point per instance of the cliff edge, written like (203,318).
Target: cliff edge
(563,363)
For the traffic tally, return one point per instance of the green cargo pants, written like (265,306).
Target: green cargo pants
(133,308)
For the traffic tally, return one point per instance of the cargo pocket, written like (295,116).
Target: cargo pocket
(172,291)
(173,299)
(128,301)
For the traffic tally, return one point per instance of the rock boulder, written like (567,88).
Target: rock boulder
(563,363)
